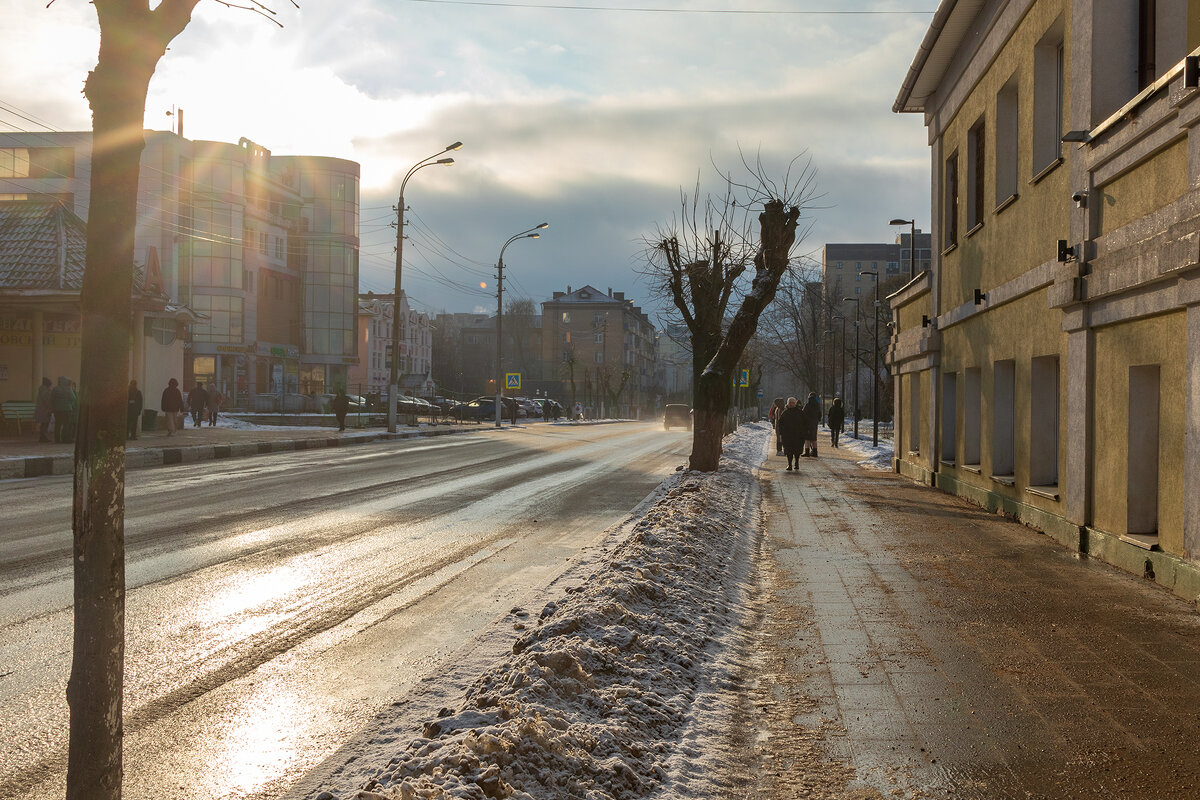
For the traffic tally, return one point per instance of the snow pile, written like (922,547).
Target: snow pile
(611,687)
(877,458)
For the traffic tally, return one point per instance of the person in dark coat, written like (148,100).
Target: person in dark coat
(197,400)
(789,424)
(837,420)
(133,411)
(340,405)
(43,409)
(777,406)
(62,401)
(215,398)
(172,404)
(812,421)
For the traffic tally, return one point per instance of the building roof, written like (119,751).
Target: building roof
(42,246)
(952,23)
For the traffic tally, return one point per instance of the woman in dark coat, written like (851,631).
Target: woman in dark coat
(789,424)
(171,404)
(812,421)
(837,420)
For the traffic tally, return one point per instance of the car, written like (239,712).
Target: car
(481,408)
(677,414)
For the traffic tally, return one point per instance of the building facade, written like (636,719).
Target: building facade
(599,349)
(373,372)
(263,248)
(1048,363)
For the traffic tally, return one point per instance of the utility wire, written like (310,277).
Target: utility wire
(657,10)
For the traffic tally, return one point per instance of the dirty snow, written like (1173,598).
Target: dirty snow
(877,458)
(622,685)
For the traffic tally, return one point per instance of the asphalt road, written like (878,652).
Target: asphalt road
(277,603)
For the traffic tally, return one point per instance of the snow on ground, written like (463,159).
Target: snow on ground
(877,458)
(622,686)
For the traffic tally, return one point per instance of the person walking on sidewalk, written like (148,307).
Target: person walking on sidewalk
(777,406)
(133,410)
(789,424)
(215,398)
(197,401)
(837,420)
(172,405)
(43,409)
(812,421)
(62,401)
(340,405)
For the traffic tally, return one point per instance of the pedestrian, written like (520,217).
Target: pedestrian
(812,421)
(578,411)
(546,410)
(172,405)
(133,411)
(837,420)
(62,402)
(340,405)
(43,409)
(790,425)
(197,401)
(777,406)
(215,398)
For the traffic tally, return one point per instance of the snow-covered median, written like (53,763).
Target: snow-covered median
(621,686)
(878,458)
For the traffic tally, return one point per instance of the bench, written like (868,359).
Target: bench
(18,411)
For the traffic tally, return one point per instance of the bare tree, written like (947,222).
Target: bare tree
(794,324)
(520,333)
(700,263)
(133,37)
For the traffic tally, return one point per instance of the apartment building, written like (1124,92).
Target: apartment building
(263,248)
(600,349)
(372,374)
(1045,365)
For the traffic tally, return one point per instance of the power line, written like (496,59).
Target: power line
(657,10)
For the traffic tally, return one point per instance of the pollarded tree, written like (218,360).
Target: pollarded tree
(701,264)
(133,37)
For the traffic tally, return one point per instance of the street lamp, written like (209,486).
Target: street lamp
(394,386)
(856,351)
(912,244)
(842,371)
(875,366)
(532,233)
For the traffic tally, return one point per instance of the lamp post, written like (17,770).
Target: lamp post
(394,385)
(532,233)
(875,366)
(842,371)
(856,351)
(912,244)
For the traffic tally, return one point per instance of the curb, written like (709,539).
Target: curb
(142,458)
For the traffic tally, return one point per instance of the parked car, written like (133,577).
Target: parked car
(408,404)
(479,408)
(677,414)
(325,403)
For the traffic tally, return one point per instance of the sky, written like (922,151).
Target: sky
(590,115)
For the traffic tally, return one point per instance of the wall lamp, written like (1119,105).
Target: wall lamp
(979,297)
(926,322)
(1191,72)
(1065,253)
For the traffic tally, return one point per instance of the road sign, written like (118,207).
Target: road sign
(760,393)
(512,380)
(744,380)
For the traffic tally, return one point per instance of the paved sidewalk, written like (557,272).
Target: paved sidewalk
(916,646)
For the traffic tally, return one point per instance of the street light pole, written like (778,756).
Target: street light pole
(912,244)
(856,352)
(532,233)
(875,366)
(394,384)
(842,371)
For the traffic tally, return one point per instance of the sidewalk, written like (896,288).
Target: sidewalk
(25,457)
(916,646)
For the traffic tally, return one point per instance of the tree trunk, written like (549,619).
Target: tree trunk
(132,40)
(713,395)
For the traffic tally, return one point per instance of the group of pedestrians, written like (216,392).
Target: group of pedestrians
(56,405)
(796,427)
(199,402)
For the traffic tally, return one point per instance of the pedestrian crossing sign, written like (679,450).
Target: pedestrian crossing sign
(512,380)
(744,378)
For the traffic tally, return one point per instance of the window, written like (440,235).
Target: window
(972,413)
(1143,438)
(950,202)
(914,412)
(1048,98)
(1043,422)
(976,169)
(566,317)
(262,242)
(599,356)
(566,337)
(599,337)
(1003,423)
(37,162)
(949,415)
(1006,141)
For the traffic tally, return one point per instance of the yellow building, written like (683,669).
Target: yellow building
(1048,363)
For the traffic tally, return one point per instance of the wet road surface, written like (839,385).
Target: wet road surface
(916,646)
(277,603)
